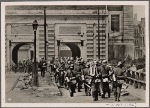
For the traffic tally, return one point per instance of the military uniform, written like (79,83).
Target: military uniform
(104,85)
(77,69)
(118,80)
(43,67)
(66,67)
(61,77)
(56,71)
(52,65)
(87,80)
(95,80)
(95,87)
(71,81)
(24,66)
(20,65)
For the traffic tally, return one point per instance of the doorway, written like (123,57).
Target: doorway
(17,54)
(72,50)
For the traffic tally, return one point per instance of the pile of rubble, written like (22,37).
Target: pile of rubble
(26,81)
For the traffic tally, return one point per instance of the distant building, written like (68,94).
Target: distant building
(139,37)
(73,26)
(142,38)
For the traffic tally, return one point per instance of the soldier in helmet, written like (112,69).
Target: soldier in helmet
(99,63)
(67,66)
(70,76)
(61,73)
(77,69)
(95,80)
(56,71)
(87,79)
(24,66)
(104,72)
(52,64)
(20,65)
(118,80)
(43,66)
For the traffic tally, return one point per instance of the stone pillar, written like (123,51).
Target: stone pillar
(37,44)
(107,28)
(94,41)
(85,42)
(56,48)
(8,47)
(82,51)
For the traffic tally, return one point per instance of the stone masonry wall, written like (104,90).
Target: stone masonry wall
(128,21)
(128,29)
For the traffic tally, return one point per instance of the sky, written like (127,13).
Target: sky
(139,10)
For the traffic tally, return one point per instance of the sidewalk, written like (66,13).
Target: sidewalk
(47,86)
(141,93)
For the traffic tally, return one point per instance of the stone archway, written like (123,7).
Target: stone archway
(15,52)
(74,49)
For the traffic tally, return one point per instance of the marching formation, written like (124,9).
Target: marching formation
(98,77)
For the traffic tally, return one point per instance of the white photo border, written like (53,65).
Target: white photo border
(4,104)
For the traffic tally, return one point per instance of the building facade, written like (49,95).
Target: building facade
(139,37)
(72,26)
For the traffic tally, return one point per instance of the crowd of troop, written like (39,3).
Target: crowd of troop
(23,66)
(95,75)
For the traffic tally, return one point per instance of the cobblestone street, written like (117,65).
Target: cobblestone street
(38,96)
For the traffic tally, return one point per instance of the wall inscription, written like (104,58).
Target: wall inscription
(21,29)
(69,29)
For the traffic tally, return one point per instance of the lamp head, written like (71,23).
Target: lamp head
(35,25)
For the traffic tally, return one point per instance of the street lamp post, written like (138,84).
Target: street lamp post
(58,44)
(98,37)
(35,77)
(45,40)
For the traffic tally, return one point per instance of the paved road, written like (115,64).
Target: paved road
(30,96)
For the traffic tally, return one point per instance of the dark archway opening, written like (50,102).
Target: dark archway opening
(15,52)
(74,49)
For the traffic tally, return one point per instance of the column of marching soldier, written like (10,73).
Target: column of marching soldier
(97,76)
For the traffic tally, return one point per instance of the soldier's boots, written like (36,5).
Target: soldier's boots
(71,94)
(99,93)
(103,95)
(117,96)
(88,94)
(108,95)
(95,96)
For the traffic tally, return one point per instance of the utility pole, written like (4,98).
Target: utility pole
(98,37)
(45,40)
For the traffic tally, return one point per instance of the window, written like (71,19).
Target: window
(115,23)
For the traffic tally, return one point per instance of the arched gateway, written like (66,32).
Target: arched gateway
(70,50)
(20,51)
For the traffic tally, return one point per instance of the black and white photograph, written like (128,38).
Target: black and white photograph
(75,54)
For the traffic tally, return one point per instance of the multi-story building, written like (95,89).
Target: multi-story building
(139,37)
(142,38)
(136,37)
(72,26)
